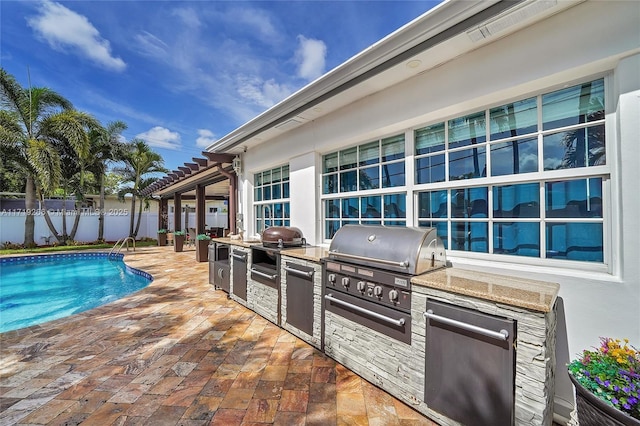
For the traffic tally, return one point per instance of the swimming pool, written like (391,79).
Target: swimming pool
(37,289)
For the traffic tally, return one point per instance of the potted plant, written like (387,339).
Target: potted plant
(178,240)
(202,247)
(607,382)
(162,237)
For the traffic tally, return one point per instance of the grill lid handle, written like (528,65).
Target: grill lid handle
(403,264)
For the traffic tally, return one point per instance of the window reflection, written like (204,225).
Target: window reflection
(467,164)
(369,178)
(581,198)
(518,156)
(517,238)
(575,148)
(370,206)
(432,204)
(514,119)
(430,169)
(469,236)
(516,201)
(574,105)
(575,241)
(469,202)
(467,130)
(393,174)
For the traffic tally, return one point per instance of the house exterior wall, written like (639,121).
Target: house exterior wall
(588,41)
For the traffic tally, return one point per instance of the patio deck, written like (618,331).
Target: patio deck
(180,353)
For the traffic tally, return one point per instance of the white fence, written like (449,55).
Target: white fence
(116,225)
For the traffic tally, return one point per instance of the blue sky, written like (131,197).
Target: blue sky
(182,74)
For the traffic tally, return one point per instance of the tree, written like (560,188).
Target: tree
(139,162)
(75,178)
(105,147)
(32,120)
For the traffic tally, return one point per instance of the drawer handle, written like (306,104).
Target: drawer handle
(262,274)
(297,271)
(242,257)
(500,335)
(398,322)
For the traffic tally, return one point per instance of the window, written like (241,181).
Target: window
(374,165)
(387,209)
(373,168)
(540,215)
(271,198)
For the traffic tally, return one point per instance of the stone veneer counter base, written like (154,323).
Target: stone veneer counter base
(530,303)
(529,294)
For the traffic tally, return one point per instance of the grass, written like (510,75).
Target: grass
(48,249)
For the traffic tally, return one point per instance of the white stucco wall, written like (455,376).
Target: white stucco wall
(591,40)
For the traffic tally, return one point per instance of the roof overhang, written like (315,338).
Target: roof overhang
(213,172)
(447,31)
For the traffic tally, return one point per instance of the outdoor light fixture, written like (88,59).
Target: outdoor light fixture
(237,165)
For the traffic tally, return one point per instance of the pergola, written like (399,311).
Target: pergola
(210,178)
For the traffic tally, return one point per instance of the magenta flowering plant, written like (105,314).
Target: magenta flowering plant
(612,373)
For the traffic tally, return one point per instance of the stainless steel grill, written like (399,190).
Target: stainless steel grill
(411,251)
(367,276)
(368,298)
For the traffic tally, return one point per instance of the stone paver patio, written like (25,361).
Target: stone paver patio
(180,352)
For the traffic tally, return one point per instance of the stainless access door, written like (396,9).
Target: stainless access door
(470,365)
(299,281)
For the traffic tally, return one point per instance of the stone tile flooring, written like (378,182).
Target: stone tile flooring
(180,353)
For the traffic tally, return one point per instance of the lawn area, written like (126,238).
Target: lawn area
(47,249)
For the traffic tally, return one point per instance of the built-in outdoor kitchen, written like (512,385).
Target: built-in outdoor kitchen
(460,347)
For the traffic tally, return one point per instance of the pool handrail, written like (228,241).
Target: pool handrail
(121,242)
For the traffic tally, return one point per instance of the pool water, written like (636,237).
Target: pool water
(37,289)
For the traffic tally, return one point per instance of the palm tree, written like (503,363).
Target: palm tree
(139,161)
(32,120)
(105,147)
(75,176)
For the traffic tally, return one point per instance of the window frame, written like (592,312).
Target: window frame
(490,180)
(259,220)
(541,177)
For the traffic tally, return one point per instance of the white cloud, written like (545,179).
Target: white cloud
(161,137)
(188,16)
(310,56)
(65,29)
(151,45)
(205,138)
(258,21)
(260,92)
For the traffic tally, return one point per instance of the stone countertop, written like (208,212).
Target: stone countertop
(529,294)
(240,243)
(312,253)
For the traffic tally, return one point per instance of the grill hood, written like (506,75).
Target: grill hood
(282,236)
(399,249)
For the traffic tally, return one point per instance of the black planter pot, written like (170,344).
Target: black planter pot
(592,411)
(178,242)
(162,239)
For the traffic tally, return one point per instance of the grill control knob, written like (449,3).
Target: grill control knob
(377,291)
(345,282)
(361,286)
(332,278)
(393,295)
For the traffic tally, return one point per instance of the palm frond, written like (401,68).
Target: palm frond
(45,161)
